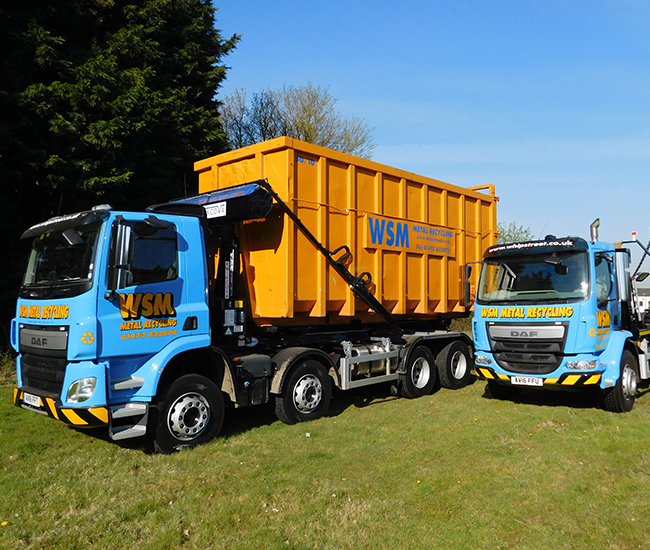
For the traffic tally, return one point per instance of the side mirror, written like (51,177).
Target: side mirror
(641,277)
(119,274)
(468,287)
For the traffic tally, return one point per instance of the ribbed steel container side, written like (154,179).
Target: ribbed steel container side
(413,234)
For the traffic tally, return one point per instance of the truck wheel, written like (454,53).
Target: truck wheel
(306,394)
(454,365)
(190,413)
(621,397)
(420,376)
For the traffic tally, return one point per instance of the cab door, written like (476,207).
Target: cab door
(143,308)
(608,307)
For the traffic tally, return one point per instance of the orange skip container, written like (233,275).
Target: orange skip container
(413,234)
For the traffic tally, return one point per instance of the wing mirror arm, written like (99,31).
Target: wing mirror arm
(120,257)
(468,299)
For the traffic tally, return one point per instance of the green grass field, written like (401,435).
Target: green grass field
(453,470)
(7,368)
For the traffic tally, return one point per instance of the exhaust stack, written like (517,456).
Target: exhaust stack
(594,229)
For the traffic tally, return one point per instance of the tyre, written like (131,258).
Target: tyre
(503,391)
(454,365)
(621,397)
(420,376)
(190,412)
(306,394)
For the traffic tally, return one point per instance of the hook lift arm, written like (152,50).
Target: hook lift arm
(646,253)
(358,285)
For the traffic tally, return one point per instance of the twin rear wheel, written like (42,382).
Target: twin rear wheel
(420,376)
(452,366)
(308,390)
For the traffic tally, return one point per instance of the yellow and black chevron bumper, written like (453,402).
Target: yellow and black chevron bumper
(93,416)
(567,379)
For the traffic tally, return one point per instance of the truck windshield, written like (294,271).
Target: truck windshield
(561,276)
(61,263)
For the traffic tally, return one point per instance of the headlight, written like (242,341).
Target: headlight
(81,390)
(482,360)
(581,365)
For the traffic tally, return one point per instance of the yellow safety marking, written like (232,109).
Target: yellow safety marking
(74,417)
(551,380)
(52,406)
(571,380)
(593,379)
(101,413)
(15,395)
(503,376)
(486,373)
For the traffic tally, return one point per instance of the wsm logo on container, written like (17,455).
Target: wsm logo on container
(397,233)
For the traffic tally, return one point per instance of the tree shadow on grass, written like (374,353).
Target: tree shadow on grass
(236,421)
(241,420)
(564,397)
(244,419)
(360,398)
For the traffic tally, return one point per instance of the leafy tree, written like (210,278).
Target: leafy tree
(122,96)
(513,233)
(305,112)
(102,101)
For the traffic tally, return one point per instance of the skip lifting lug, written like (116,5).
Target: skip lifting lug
(365,278)
(345,259)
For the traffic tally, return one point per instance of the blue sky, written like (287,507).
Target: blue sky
(548,100)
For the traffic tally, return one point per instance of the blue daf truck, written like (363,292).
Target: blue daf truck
(140,322)
(560,314)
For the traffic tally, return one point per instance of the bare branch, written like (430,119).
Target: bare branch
(307,113)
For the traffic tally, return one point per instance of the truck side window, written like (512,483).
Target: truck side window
(603,281)
(155,257)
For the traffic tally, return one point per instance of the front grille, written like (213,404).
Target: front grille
(44,374)
(45,341)
(528,349)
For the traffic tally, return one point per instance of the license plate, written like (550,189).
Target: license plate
(32,400)
(526,381)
